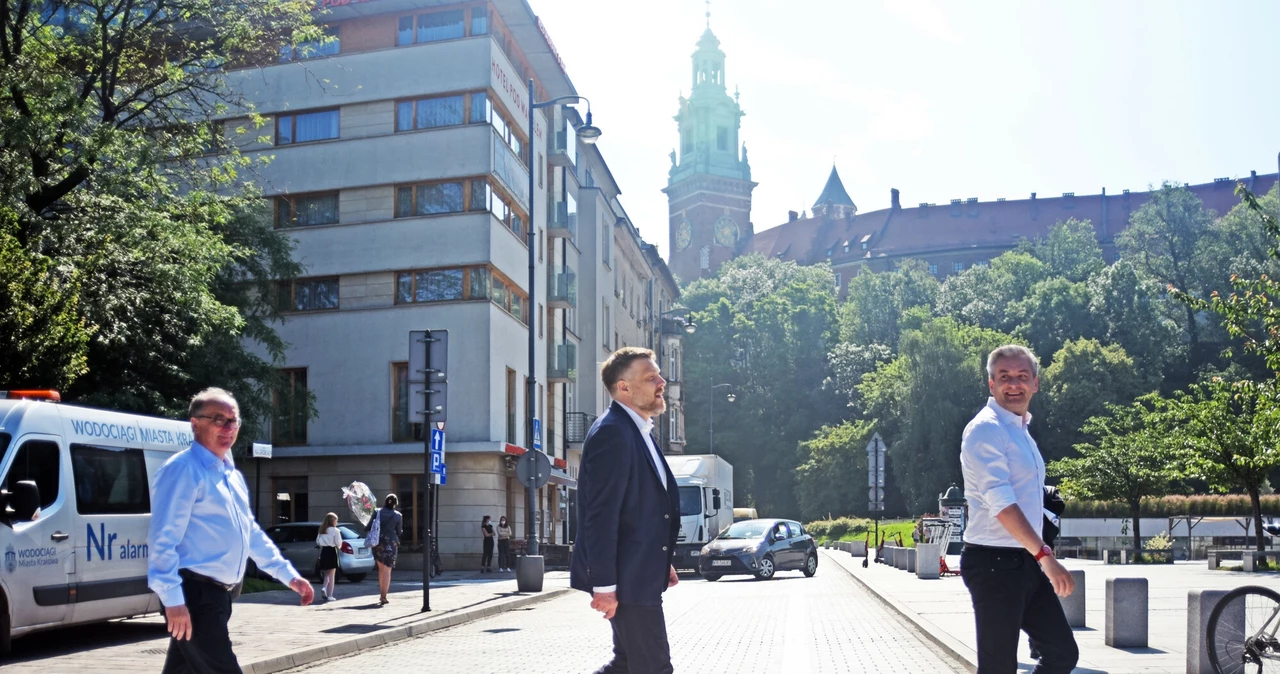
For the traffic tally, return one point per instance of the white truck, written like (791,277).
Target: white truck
(706,503)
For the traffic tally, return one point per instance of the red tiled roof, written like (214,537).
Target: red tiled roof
(970,224)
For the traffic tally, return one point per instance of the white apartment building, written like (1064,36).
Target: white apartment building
(399,162)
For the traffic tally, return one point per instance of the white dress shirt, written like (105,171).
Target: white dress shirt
(646,430)
(1002,466)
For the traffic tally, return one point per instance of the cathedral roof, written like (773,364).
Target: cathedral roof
(834,193)
(708,40)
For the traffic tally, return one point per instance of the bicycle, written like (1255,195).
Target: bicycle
(1242,631)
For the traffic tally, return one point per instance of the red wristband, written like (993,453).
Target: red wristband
(1045,551)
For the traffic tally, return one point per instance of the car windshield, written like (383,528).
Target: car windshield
(745,530)
(690,500)
(348,532)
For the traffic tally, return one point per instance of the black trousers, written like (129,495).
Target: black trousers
(486,558)
(639,641)
(504,553)
(209,649)
(1011,593)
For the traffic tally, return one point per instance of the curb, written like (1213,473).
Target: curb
(959,652)
(334,649)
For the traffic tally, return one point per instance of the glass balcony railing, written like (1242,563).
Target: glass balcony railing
(564,224)
(564,366)
(563,291)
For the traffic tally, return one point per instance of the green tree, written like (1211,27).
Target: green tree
(833,465)
(1055,311)
(849,364)
(1230,435)
(1135,316)
(874,302)
(117,173)
(766,327)
(1085,380)
(922,400)
(1170,239)
(982,295)
(1070,250)
(1128,459)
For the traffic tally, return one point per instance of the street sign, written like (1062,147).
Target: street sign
(876,494)
(537,434)
(428,377)
(533,465)
(444,473)
(437,450)
(875,506)
(875,473)
(875,478)
(261,450)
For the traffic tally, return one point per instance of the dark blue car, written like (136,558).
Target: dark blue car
(759,548)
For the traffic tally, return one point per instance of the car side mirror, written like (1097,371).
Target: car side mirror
(715,500)
(20,504)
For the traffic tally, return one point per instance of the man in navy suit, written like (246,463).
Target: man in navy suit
(628,516)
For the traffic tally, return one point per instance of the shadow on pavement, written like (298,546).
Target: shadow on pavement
(83,638)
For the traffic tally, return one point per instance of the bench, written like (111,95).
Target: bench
(1216,555)
(1250,558)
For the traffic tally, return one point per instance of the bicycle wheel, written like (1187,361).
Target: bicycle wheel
(1241,635)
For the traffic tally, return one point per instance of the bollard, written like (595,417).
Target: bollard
(1126,613)
(1212,558)
(899,559)
(858,549)
(1249,560)
(1200,604)
(928,561)
(1073,605)
(911,559)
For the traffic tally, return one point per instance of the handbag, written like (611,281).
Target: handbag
(373,538)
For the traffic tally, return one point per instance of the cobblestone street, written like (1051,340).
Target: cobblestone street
(792,624)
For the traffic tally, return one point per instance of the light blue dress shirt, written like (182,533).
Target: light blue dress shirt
(201,521)
(1002,466)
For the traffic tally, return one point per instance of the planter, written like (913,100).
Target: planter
(1156,557)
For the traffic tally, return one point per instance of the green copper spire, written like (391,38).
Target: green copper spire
(709,119)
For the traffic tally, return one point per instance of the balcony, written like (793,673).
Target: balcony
(562,292)
(564,225)
(563,368)
(576,426)
(564,147)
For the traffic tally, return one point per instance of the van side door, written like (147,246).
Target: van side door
(39,555)
(113,505)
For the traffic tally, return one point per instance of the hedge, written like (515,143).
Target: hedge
(835,529)
(1204,505)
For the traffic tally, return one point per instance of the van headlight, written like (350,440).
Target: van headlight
(706,550)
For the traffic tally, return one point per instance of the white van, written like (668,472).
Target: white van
(81,556)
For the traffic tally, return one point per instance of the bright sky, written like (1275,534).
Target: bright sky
(941,100)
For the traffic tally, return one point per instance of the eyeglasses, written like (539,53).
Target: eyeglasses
(220,421)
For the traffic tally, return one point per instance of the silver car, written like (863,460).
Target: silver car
(297,542)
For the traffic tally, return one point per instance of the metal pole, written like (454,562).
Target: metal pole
(531,501)
(426,475)
(712,429)
(257,490)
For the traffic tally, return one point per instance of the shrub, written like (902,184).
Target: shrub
(838,528)
(1223,505)
(1158,542)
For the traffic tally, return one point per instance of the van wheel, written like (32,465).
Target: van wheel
(6,644)
(355,577)
(711,577)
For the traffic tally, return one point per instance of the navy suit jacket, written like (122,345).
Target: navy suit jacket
(627,521)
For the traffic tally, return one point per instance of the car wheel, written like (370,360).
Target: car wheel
(5,642)
(356,577)
(766,568)
(713,577)
(810,565)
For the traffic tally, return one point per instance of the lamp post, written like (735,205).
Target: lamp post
(730,397)
(588,134)
(689,328)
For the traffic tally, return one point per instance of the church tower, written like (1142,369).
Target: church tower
(709,186)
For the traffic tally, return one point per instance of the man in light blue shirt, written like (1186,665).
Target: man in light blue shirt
(202,532)
(1012,576)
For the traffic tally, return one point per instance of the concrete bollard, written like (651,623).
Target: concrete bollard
(911,559)
(1249,561)
(1073,605)
(1200,604)
(928,561)
(899,559)
(1126,613)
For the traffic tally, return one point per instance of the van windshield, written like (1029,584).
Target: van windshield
(4,444)
(690,501)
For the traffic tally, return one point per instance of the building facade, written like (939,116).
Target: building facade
(400,156)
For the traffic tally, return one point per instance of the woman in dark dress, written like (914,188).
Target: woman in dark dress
(329,540)
(486,558)
(388,544)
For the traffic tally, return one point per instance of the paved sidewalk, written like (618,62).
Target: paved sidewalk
(942,609)
(272,633)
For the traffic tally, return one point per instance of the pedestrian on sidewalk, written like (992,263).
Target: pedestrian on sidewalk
(386,524)
(329,540)
(486,545)
(202,531)
(504,545)
(1012,576)
(625,485)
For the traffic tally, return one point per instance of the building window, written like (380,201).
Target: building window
(289,425)
(722,138)
(306,127)
(606,242)
(459,196)
(314,294)
(307,210)
(837,281)
(982,263)
(429,113)
(329,46)
(957,267)
(483,110)
(933,269)
(461,284)
(404,424)
(432,27)
(480,20)
(511,406)
(290,502)
(413,506)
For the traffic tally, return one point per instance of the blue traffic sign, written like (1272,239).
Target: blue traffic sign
(444,473)
(537,434)
(437,451)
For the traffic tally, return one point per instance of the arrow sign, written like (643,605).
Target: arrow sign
(437,451)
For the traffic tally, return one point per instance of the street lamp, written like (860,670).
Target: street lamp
(730,397)
(588,134)
(685,321)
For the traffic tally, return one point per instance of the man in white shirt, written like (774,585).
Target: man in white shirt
(628,516)
(1011,574)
